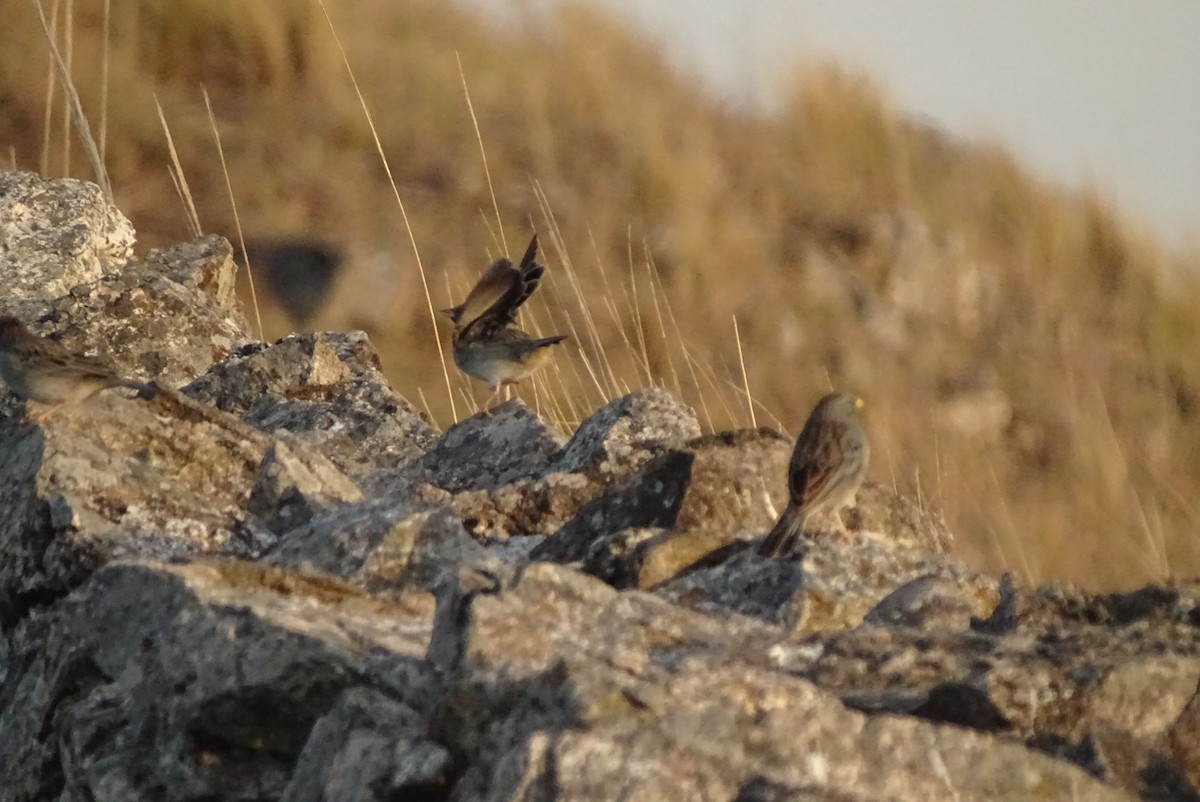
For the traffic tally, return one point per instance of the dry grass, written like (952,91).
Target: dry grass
(1027,355)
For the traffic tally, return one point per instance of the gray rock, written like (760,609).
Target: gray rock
(57,233)
(1183,740)
(704,496)
(623,695)
(487,451)
(167,317)
(614,439)
(370,748)
(291,487)
(118,477)
(382,544)
(650,498)
(824,594)
(929,601)
(203,679)
(328,391)
(202,603)
(534,506)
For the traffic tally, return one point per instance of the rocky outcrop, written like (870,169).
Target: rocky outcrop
(282,582)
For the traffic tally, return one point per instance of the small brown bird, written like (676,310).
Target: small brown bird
(486,344)
(43,371)
(826,469)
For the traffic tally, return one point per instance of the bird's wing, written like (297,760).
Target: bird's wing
(817,462)
(497,282)
(493,303)
(531,275)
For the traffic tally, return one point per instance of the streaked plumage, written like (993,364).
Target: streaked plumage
(827,467)
(43,371)
(486,343)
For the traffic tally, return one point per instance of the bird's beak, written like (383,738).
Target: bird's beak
(447,312)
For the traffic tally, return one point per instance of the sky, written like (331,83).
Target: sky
(1105,92)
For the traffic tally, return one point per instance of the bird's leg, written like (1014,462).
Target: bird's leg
(842,530)
(487,405)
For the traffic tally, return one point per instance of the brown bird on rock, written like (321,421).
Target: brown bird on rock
(41,370)
(486,343)
(827,467)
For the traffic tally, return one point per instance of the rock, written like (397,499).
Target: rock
(370,747)
(1183,740)
(202,678)
(289,489)
(614,439)
(167,317)
(512,478)
(929,601)
(388,543)
(118,477)
(650,498)
(230,593)
(57,234)
(1106,697)
(624,694)
(716,489)
(818,593)
(485,452)
(327,390)
(535,506)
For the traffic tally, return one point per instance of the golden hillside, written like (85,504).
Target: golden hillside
(1026,355)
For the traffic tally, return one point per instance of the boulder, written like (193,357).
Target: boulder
(284,583)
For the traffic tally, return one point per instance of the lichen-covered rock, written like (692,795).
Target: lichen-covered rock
(490,450)
(1183,740)
(205,679)
(711,491)
(56,234)
(370,748)
(328,391)
(623,695)
(121,477)
(291,487)
(932,601)
(167,317)
(226,594)
(382,544)
(614,439)
(536,506)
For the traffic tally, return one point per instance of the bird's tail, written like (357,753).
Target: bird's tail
(542,342)
(144,390)
(783,536)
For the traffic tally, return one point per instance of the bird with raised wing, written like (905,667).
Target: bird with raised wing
(486,343)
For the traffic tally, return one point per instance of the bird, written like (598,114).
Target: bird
(827,467)
(42,370)
(486,344)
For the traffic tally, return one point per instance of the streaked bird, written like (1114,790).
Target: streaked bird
(827,467)
(41,370)
(486,343)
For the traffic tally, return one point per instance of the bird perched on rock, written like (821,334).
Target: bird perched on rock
(826,469)
(486,343)
(43,371)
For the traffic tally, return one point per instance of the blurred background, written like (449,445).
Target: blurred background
(976,218)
